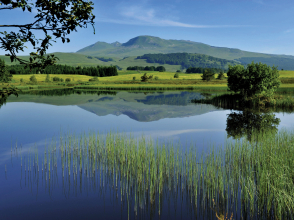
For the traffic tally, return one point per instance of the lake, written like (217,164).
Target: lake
(32,124)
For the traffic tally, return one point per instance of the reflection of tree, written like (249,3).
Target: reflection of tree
(248,124)
(5,92)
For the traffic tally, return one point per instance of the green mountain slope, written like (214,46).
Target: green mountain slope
(147,44)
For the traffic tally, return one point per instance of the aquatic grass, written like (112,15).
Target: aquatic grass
(235,101)
(257,175)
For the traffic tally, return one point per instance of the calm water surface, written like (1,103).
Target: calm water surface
(40,119)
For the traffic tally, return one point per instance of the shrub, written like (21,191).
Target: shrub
(33,79)
(179,71)
(134,78)
(145,78)
(208,75)
(21,80)
(221,75)
(95,79)
(67,80)
(61,80)
(256,79)
(56,79)
(47,78)
(156,78)
(176,75)
(5,75)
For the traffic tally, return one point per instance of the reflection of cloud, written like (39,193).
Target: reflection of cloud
(41,145)
(138,15)
(23,150)
(164,133)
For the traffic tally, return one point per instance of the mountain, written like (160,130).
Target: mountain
(141,45)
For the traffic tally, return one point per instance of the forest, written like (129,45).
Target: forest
(99,71)
(201,70)
(187,60)
(148,68)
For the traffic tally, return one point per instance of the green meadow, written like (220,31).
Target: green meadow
(131,80)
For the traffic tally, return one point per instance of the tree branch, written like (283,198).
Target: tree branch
(10,8)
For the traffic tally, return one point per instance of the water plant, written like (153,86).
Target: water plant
(242,180)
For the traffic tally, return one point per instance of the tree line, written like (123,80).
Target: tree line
(99,71)
(187,60)
(148,68)
(202,70)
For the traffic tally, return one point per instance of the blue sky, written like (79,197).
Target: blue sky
(265,26)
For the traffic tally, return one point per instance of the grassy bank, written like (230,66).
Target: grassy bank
(131,80)
(247,178)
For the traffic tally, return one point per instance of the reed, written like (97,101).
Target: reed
(257,175)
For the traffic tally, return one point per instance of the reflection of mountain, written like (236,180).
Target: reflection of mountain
(183,98)
(143,112)
(138,106)
(151,107)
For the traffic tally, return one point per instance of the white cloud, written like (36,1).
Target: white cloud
(289,31)
(139,15)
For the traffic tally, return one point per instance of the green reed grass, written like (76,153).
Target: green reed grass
(257,174)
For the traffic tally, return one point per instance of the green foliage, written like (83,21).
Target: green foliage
(221,75)
(47,78)
(33,79)
(256,79)
(67,80)
(134,78)
(56,79)
(201,70)
(104,59)
(156,77)
(176,75)
(208,75)
(147,68)
(94,79)
(58,18)
(160,69)
(5,75)
(179,71)
(100,71)
(145,78)
(21,80)
(187,60)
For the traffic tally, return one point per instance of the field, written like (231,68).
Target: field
(74,59)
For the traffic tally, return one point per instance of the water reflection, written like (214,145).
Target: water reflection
(6,92)
(248,123)
(143,107)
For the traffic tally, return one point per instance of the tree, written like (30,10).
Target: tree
(221,75)
(208,75)
(5,75)
(256,79)
(47,78)
(55,17)
(176,75)
(33,79)
(145,78)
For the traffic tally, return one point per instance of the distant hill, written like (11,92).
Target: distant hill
(153,45)
(125,55)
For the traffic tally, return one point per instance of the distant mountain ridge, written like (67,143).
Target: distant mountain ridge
(141,45)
